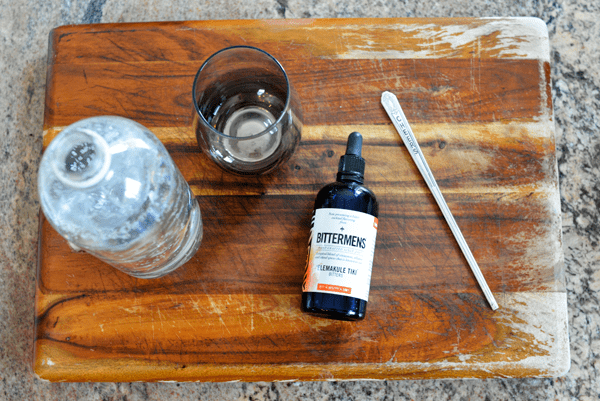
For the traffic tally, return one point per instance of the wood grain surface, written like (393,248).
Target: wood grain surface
(477,94)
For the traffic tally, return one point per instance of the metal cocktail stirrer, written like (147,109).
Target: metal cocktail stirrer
(392,107)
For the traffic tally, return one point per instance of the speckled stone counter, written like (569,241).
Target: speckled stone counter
(574,29)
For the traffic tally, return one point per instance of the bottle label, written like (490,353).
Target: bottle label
(340,253)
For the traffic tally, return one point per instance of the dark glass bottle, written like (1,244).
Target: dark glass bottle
(346,193)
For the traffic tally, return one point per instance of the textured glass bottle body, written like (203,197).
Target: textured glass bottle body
(346,195)
(109,187)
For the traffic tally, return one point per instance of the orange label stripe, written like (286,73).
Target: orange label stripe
(334,288)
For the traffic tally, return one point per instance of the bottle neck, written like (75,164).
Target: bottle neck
(350,176)
(80,158)
(351,168)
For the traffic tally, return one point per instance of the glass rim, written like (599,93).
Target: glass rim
(268,129)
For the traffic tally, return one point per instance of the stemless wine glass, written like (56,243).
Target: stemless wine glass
(248,117)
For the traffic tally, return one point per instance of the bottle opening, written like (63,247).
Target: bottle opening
(80,158)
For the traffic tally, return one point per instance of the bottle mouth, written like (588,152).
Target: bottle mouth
(80,158)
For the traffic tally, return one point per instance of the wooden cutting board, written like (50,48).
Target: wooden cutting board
(478,96)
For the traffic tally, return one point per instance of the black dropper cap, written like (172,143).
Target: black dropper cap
(352,165)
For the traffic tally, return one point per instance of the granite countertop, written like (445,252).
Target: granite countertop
(574,28)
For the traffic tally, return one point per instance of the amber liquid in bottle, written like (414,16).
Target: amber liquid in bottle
(349,193)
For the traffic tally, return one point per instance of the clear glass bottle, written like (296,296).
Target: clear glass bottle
(109,187)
